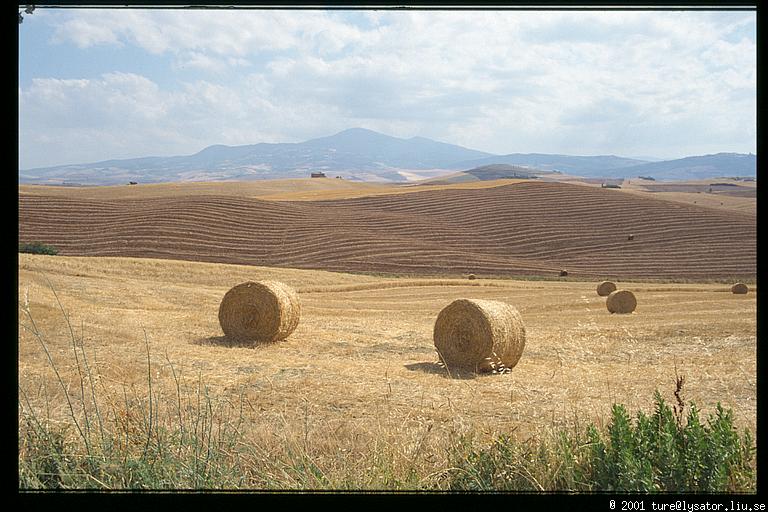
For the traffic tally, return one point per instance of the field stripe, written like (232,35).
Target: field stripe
(527,227)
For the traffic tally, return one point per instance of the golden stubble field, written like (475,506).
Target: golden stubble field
(307,189)
(361,370)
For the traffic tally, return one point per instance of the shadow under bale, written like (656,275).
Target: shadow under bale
(437,368)
(223,341)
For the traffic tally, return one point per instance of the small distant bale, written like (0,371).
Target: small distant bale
(605,288)
(621,301)
(563,273)
(739,288)
(471,277)
(479,335)
(630,237)
(259,312)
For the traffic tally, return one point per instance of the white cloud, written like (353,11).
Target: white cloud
(581,82)
(85,34)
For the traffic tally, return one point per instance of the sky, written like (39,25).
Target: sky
(98,84)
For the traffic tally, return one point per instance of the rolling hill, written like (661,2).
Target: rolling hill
(488,173)
(587,166)
(525,228)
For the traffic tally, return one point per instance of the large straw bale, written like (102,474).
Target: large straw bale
(605,288)
(621,301)
(259,312)
(479,335)
(739,288)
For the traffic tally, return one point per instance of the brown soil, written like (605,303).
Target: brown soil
(526,228)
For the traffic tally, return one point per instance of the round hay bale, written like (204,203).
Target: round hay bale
(605,288)
(563,273)
(739,288)
(471,276)
(479,335)
(621,301)
(260,312)
(630,237)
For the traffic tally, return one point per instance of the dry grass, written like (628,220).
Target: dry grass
(360,371)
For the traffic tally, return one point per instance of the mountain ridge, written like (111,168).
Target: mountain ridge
(365,155)
(694,167)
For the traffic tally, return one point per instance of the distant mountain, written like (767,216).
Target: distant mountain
(647,158)
(365,155)
(693,167)
(587,166)
(356,153)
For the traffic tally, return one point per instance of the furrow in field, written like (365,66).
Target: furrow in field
(524,227)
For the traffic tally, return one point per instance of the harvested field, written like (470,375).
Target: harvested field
(733,195)
(525,228)
(726,189)
(274,190)
(361,367)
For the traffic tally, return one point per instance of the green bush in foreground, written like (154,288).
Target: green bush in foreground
(659,453)
(37,248)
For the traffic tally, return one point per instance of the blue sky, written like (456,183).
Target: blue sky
(97,84)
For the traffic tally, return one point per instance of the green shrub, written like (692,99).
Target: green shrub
(37,248)
(657,453)
(661,454)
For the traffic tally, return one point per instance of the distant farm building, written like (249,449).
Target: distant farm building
(318,175)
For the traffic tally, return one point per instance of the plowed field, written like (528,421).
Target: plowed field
(526,228)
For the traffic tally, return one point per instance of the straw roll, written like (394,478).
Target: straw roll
(605,288)
(621,301)
(481,335)
(259,312)
(739,288)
